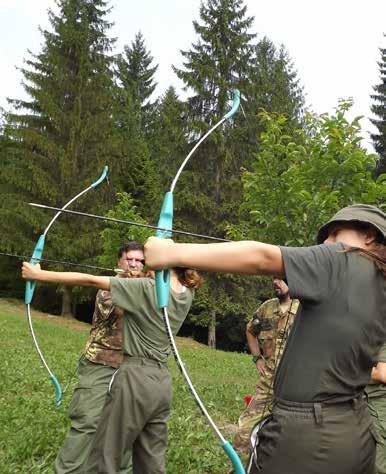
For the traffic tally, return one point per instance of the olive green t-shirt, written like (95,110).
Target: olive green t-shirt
(378,389)
(144,333)
(340,327)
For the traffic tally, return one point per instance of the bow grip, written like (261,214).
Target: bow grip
(232,455)
(36,256)
(162,277)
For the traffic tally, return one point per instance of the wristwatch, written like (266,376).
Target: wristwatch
(256,358)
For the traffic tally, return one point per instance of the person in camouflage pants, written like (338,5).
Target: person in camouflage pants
(376,399)
(266,333)
(101,359)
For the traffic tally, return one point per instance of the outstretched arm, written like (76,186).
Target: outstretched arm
(34,272)
(234,257)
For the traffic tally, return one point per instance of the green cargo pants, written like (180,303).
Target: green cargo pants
(134,419)
(85,410)
(377,407)
(317,438)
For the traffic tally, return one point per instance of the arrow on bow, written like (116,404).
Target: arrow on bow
(163,288)
(123,221)
(30,285)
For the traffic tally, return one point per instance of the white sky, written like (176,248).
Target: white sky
(334,44)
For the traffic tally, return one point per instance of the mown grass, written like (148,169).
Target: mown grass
(32,429)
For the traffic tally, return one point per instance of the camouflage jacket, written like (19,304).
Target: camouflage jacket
(104,345)
(271,326)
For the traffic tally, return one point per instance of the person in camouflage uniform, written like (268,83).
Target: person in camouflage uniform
(266,333)
(101,359)
(376,399)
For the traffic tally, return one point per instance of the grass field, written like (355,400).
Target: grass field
(32,429)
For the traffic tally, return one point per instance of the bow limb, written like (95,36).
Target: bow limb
(30,285)
(163,290)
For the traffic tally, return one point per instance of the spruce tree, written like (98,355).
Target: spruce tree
(379,110)
(217,62)
(133,116)
(168,144)
(135,75)
(274,84)
(62,134)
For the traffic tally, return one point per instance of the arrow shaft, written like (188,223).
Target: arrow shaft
(62,262)
(122,221)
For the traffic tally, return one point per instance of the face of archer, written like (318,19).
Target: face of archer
(350,235)
(280,288)
(133,260)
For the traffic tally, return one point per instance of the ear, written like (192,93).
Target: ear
(370,236)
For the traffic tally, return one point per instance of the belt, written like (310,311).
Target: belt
(317,407)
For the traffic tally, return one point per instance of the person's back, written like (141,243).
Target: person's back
(342,322)
(323,424)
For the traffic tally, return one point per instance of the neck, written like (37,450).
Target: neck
(284,299)
(175,283)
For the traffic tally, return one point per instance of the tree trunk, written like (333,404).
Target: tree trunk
(67,303)
(212,331)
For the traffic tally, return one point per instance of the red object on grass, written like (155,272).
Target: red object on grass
(247,400)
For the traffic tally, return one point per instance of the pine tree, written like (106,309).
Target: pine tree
(63,134)
(219,61)
(274,84)
(379,109)
(134,115)
(135,75)
(221,58)
(168,144)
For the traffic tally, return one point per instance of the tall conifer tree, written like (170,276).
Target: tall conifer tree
(134,115)
(379,110)
(274,84)
(64,132)
(217,62)
(135,74)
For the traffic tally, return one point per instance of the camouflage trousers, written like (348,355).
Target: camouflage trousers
(259,406)
(377,407)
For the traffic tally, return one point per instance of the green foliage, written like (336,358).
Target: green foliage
(115,235)
(135,172)
(209,188)
(379,109)
(299,181)
(32,430)
(61,136)
(274,85)
(134,71)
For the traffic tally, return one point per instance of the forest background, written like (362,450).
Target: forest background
(275,172)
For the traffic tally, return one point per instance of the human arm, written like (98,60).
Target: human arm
(34,272)
(254,348)
(378,373)
(231,257)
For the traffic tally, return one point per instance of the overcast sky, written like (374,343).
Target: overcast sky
(334,44)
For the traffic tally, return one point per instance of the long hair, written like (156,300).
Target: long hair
(188,277)
(377,255)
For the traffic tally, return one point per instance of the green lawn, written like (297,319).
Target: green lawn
(32,429)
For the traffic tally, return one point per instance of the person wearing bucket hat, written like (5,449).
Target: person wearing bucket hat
(357,215)
(320,421)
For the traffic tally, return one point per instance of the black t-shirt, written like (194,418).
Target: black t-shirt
(340,327)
